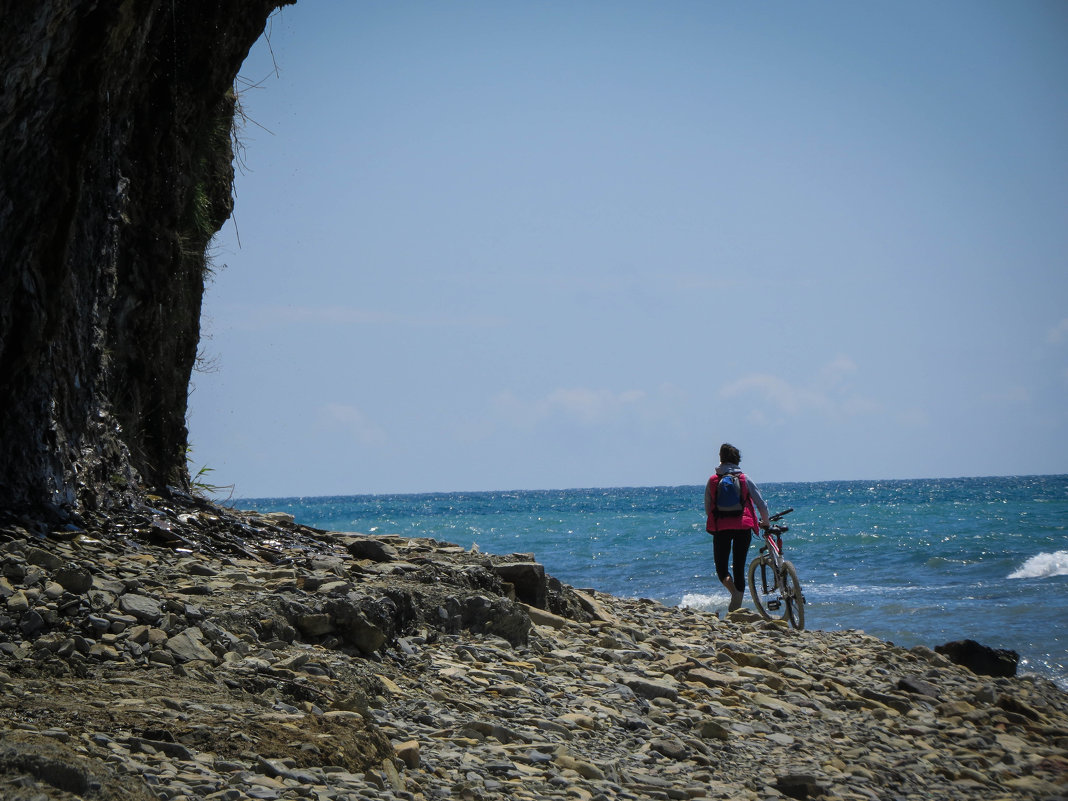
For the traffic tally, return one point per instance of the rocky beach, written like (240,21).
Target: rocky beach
(186,651)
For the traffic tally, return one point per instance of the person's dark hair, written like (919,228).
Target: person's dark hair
(728,453)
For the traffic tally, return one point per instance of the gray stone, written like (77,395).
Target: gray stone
(18,602)
(142,607)
(651,689)
(528,578)
(645,702)
(361,622)
(712,728)
(32,622)
(912,684)
(499,616)
(189,646)
(74,579)
(893,701)
(42,558)
(372,549)
(671,747)
(315,625)
(173,750)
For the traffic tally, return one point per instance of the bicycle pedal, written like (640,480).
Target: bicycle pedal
(774,605)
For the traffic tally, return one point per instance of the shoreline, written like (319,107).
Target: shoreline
(924,593)
(218,654)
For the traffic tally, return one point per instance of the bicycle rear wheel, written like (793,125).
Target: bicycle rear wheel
(762,585)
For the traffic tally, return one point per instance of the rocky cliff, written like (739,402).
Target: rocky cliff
(115,172)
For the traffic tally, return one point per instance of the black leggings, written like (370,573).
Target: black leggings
(723,542)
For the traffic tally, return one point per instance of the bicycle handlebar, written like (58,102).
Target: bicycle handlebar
(778,529)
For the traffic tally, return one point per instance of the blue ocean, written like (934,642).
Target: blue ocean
(916,562)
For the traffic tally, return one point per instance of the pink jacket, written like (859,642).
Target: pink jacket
(714,523)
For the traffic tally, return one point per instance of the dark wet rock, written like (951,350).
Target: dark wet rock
(315,624)
(980,659)
(646,688)
(911,684)
(560,599)
(104,259)
(498,616)
(42,558)
(371,548)
(168,747)
(528,579)
(74,579)
(32,768)
(1011,703)
(902,705)
(798,785)
(364,623)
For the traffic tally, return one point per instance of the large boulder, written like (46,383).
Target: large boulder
(498,616)
(981,659)
(372,549)
(528,579)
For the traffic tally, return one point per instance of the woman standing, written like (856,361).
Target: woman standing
(729,508)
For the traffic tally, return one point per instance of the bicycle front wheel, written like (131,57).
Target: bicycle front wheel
(792,597)
(777,595)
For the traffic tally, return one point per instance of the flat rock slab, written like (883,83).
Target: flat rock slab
(189,647)
(145,609)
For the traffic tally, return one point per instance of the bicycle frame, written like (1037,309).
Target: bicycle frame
(773,542)
(773,546)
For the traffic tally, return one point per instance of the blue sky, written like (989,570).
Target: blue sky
(520,245)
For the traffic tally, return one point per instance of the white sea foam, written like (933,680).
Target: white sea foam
(704,603)
(1043,565)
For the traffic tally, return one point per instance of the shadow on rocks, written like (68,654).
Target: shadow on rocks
(32,768)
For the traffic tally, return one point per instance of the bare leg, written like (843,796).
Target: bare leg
(736,597)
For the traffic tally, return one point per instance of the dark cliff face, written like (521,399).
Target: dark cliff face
(115,171)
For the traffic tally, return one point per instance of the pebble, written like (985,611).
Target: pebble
(297,664)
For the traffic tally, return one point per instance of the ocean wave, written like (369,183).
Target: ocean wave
(1043,565)
(702,602)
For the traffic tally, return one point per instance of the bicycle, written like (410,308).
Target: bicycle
(782,595)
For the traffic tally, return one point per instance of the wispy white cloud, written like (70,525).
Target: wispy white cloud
(774,399)
(580,404)
(837,369)
(350,420)
(591,407)
(778,394)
